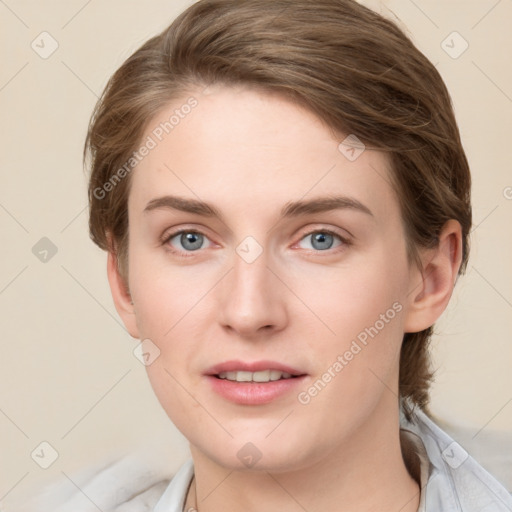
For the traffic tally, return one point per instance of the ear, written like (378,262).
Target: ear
(434,282)
(121,295)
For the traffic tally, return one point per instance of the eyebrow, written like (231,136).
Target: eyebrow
(182,204)
(292,209)
(324,204)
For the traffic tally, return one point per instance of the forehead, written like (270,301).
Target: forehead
(240,148)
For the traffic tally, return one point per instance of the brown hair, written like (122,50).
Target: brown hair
(354,69)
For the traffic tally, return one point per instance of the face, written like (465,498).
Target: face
(269,268)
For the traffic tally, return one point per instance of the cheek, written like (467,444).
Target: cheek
(358,364)
(362,304)
(352,297)
(167,310)
(163,294)
(172,311)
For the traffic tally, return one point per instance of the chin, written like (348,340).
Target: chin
(260,454)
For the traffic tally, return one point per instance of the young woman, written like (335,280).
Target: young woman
(285,201)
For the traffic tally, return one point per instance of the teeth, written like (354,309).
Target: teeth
(261,376)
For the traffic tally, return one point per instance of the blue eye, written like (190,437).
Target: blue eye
(321,241)
(188,241)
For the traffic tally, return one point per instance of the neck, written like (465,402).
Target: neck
(365,473)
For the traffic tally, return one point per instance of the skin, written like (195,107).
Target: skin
(249,154)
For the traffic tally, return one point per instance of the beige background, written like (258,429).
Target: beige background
(68,375)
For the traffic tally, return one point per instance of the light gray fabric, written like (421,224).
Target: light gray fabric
(490,448)
(173,499)
(456,482)
(133,483)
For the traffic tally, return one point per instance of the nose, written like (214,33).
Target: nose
(252,301)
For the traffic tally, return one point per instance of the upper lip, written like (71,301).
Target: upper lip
(254,366)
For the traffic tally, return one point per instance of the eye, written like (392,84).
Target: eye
(321,241)
(188,241)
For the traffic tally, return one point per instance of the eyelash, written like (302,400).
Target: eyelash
(345,242)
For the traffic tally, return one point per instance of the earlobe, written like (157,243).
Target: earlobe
(437,277)
(121,295)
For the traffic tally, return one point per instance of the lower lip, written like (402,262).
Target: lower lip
(254,393)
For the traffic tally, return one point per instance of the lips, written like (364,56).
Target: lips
(253,383)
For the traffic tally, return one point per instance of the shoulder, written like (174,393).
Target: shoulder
(455,480)
(131,483)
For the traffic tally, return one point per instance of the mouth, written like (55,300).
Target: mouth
(261,376)
(255,383)
(255,371)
